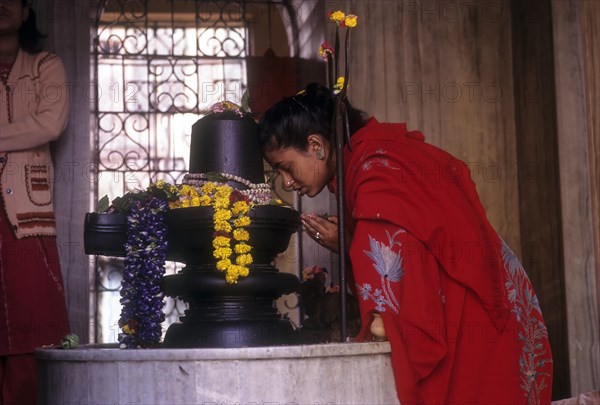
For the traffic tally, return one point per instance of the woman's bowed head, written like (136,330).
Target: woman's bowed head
(298,142)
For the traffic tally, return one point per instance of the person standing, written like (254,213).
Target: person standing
(34,109)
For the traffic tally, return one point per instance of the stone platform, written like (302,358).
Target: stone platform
(335,373)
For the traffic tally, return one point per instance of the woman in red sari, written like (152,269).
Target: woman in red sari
(460,314)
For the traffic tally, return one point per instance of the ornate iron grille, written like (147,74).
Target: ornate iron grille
(158,65)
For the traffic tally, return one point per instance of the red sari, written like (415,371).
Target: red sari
(460,314)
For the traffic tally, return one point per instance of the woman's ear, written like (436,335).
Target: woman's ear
(316,145)
(315,142)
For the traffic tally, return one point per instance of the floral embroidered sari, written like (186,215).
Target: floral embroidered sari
(460,313)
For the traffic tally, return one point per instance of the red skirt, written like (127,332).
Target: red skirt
(32,299)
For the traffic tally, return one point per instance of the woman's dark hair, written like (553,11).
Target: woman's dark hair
(290,121)
(30,37)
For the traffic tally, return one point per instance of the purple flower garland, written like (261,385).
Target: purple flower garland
(141,295)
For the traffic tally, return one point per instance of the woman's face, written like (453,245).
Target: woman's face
(12,15)
(305,171)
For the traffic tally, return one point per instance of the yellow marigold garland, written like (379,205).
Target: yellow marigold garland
(229,220)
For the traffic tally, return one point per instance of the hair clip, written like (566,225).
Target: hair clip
(300,104)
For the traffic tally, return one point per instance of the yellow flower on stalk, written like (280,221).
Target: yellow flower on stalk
(337,16)
(324,50)
(350,21)
(339,85)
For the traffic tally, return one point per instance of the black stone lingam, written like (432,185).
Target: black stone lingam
(227,143)
(219,314)
(222,314)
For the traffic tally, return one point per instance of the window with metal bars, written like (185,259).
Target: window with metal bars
(157,65)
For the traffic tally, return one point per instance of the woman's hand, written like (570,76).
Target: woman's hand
(324,230)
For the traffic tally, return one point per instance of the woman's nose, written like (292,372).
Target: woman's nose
(287,180)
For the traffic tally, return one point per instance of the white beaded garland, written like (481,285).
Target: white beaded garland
(259,193)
